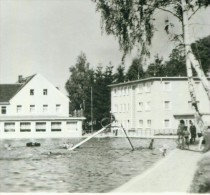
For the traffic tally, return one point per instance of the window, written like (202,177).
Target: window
(126,90)
(190,107)
(25,127)
(71,126)
(45,108)
(115,108)
(141,123)
(40,126)
(9,127)
(58,107)
(56,126)
(167,86)
(4,110)
(120,92)
(167,105)
(125,109)
(166,123)
(19,108)
(149,123)
(141,106)
(148,87)
(148,106)
(128,107)
(32,108)
(115,92)
(198,86)
(31,91)
(44,91)
(129,89)
(123,89)
(141,88)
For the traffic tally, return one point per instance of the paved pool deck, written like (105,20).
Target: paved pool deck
(173,173)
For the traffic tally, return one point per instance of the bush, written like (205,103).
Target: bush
(201,181)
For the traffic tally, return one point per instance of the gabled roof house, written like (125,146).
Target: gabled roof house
(34,108)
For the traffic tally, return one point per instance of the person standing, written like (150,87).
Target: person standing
(192,132)
(186,136)
(180,133)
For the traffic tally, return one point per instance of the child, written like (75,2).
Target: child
(186,136)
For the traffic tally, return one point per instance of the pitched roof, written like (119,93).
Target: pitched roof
(7,91)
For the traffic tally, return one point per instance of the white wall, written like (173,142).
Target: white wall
(177,95)
(53,97)
(66,132)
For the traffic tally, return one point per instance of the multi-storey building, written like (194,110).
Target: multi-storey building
(34,108)
(156,104)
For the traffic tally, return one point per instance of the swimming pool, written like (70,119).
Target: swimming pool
(100,165)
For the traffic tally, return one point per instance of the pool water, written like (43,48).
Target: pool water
(99,165)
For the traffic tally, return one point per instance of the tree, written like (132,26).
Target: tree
(119,76)
(135,71)
(201,49)
(176,64)
(156,69)
(102,94)
(78,85)
(132,22)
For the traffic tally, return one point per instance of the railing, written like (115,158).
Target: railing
(165,131)
(77,113)
(145,132)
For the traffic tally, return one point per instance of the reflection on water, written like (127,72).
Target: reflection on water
(100,165)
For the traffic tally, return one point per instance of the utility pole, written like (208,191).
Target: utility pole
(91,109)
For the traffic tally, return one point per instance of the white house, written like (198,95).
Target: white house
(34,108)
(156,104)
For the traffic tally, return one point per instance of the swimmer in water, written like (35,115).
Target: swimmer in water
(163,149)
(67,145)
(151,144)
(7,146)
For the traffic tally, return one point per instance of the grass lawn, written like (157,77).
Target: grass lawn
(201,181)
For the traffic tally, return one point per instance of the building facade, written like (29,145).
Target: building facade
(34,108)
(156,104)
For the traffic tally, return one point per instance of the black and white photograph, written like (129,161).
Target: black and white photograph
(104,96)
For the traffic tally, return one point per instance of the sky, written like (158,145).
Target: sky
(47,36)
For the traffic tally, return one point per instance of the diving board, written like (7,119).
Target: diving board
(88,138)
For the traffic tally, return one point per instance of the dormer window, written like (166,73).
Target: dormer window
(44,91)
(31,91)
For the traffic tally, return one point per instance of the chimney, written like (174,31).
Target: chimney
(20,78)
